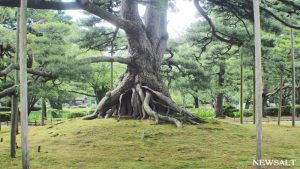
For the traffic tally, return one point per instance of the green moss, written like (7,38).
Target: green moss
(101,144)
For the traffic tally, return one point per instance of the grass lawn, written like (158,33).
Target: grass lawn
(132,144)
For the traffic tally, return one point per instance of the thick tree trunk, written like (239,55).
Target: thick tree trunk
(219,105)
(220,96)
(140,92)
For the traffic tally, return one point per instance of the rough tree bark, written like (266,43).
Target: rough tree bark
(140,92)
(220,96)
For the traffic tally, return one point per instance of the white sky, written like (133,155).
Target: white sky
(177,21)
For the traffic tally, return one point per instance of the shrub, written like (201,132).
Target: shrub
(229,110)
(75,112)
(236,114)
(203,112)
(285,111)
(248,112)
(4,117)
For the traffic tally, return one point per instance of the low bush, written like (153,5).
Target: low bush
(75,112)
(246,113)
(203,112)
(66,113)
(285,111)
(4,117)
(229,110)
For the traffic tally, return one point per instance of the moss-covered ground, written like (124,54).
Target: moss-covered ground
(132,144)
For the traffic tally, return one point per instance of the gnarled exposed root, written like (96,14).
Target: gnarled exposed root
(173,106)
(110,112)
(142,98)
(170,119)
(148,109)
(137,101)
(111,98)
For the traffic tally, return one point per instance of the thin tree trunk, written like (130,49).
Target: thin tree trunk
(196,101)
(14,100)
(293,75)
(258,81)
(264,101)
(241,89)
(254,89)
(247,103)
(23,85)
(44,110)
(14,121)
(280,99)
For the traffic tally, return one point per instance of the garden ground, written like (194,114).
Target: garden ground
(132,144)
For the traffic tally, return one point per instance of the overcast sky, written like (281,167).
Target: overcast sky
(177,21)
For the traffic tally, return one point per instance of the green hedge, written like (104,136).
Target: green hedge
(285,111)
(231,111)
(246,113)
